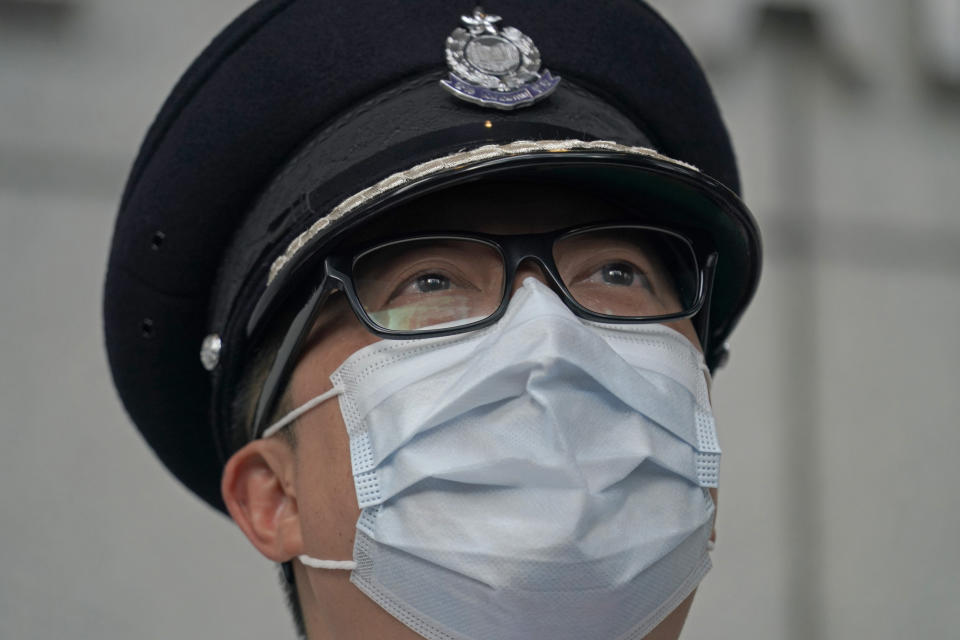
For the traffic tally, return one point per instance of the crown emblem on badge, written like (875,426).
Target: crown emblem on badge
(493,66)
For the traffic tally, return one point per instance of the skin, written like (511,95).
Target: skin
(290,501)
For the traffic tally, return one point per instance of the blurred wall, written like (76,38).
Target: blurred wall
(838,410)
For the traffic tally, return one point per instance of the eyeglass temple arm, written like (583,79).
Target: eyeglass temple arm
(284,359)
(703,318)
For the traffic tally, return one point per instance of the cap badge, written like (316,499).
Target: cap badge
(493,66)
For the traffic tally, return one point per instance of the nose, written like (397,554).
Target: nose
(529,268)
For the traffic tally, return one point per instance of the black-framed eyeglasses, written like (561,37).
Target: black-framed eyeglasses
(436,284)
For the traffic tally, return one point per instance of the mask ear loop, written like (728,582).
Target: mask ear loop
(707,376)
(316,563)
(299,411)
(345,565)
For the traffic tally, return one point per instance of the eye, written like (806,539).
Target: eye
(425,283)
(431,282)
(618,273)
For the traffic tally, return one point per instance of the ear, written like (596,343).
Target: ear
(259,491)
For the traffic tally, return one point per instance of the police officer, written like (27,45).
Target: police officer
(427,299)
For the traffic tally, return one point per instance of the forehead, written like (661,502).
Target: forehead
(494,207)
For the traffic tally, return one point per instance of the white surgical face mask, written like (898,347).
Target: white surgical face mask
(545,478)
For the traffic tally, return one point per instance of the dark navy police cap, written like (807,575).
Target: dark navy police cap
(305,118)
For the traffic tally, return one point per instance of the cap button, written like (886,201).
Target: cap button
(210,351)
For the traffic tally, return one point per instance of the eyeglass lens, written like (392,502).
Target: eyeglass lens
(442,282)
(628,272)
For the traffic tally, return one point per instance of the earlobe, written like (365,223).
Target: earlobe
(258,489)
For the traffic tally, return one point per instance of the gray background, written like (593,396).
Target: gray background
(838,412)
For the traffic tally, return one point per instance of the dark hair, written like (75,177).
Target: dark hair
(289,585)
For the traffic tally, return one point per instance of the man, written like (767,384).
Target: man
(455,325)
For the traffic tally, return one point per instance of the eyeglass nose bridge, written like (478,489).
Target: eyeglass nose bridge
(520,253)
(531,266)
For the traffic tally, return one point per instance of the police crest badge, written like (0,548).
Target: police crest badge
(495,66)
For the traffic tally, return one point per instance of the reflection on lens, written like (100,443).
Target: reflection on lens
(438,311)
(628,271)
(429,283)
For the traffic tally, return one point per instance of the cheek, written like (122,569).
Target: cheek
(324,484)
(685,327)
